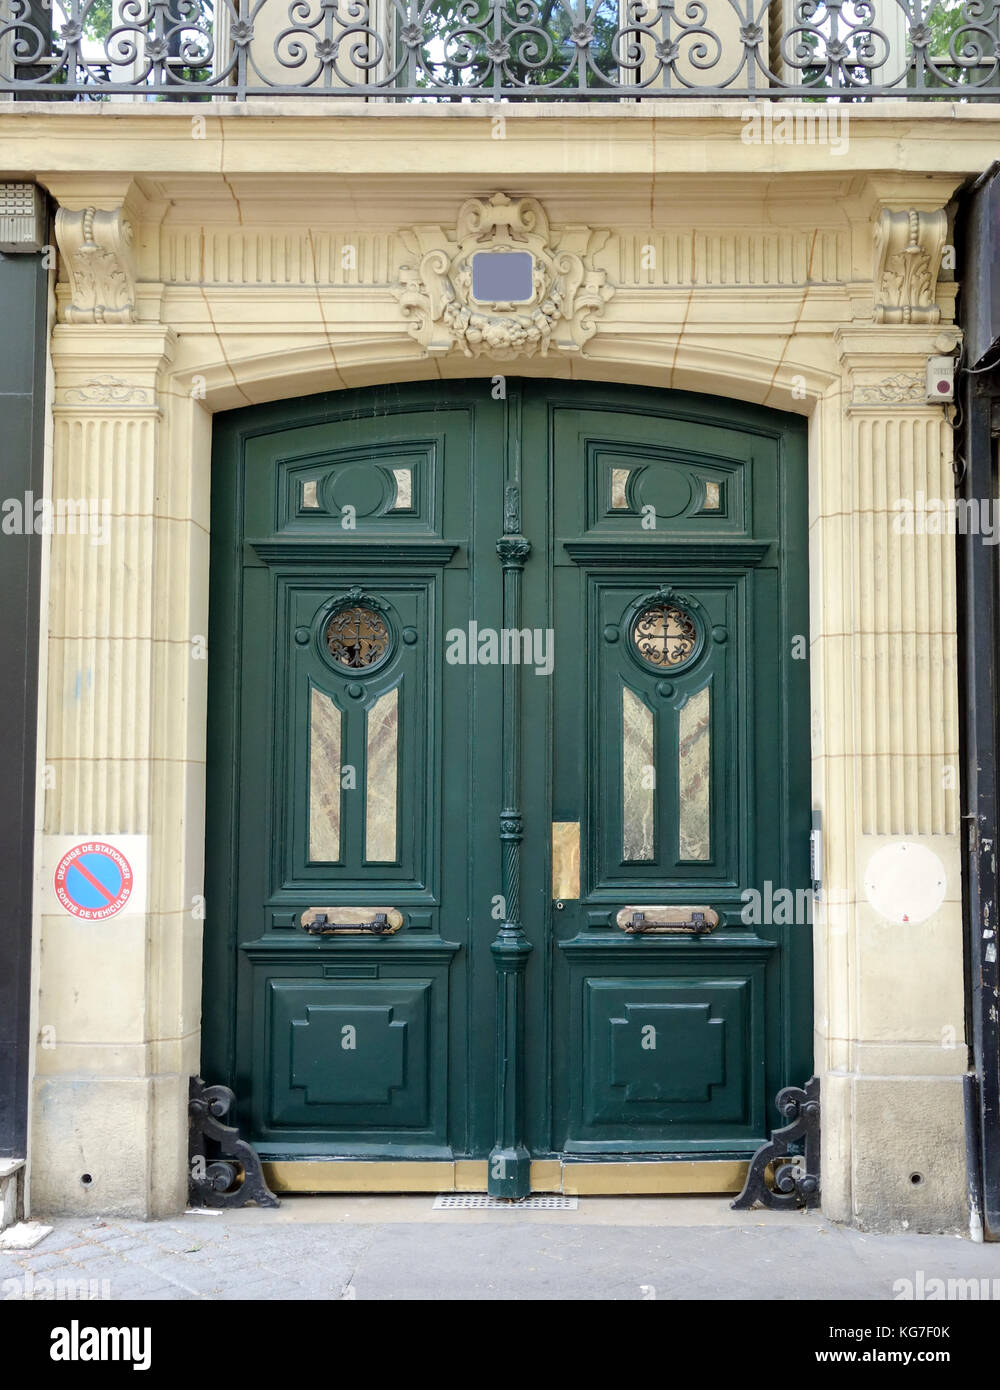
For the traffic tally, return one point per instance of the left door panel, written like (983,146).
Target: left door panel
(342,557)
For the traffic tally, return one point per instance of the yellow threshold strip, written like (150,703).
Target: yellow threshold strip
(469,1175)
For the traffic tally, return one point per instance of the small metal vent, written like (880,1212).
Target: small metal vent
(479,1201)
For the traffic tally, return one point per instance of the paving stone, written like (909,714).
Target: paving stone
(71,1249)
(256,1292)
(85,1254)
(137,1281)
(193,1280)
(204,1255)
(102,1233)
(112,1267)
(165,1240)
(167,1293)
(41,1259)
(121,1243)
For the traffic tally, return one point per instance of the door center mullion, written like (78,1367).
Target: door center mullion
(510,1162)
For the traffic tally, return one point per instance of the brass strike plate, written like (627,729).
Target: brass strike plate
(351,921)
(659,920)
(566,860)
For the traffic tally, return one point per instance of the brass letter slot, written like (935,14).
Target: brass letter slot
(645,920)
(352,921)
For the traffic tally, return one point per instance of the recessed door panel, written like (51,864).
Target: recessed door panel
(668,1054)
(665,748)
(354,736)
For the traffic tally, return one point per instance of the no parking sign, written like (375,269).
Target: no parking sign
(94,879)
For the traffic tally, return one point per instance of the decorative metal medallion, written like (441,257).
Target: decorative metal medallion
(357,636)
(664,635)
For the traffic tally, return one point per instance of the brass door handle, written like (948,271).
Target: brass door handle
(360,921)
(660,920)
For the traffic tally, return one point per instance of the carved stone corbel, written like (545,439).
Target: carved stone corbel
(908,248)
(96,249)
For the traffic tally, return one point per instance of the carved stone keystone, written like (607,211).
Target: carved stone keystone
(563,297)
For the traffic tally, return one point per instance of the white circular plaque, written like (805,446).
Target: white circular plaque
(905,882)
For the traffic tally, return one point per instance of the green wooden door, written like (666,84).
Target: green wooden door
(449,634)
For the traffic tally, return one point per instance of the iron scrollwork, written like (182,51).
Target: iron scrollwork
(505,49)
(665,630)
(212,1178)
(357,636)
(664,635)
(797,1182)
(355,632)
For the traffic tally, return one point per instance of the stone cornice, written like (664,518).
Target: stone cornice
(554,141)
(881,112)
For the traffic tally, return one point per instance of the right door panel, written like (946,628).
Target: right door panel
(682,715)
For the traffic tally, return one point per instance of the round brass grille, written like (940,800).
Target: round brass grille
(357,637)
(664,635)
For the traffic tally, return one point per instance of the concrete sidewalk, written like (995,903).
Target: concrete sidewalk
(401,1248)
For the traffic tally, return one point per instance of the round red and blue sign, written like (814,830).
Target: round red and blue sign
(93,881)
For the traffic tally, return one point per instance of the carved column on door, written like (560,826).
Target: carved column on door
(510,1163)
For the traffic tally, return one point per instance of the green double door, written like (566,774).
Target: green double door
(508,725)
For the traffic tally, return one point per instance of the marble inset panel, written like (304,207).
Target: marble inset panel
(382,778)
(638,778)
(404,489)
(694,757)
(619,484)
(324,778)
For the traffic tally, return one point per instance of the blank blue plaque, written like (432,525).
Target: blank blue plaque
(502,277)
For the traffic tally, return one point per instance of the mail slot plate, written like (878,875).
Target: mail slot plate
(353,920)
(659,920)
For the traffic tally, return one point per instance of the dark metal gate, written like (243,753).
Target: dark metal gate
(979,573)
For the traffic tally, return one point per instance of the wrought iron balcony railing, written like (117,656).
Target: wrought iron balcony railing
(458,50)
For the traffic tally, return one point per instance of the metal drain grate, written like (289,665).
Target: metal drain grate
(479,1201)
